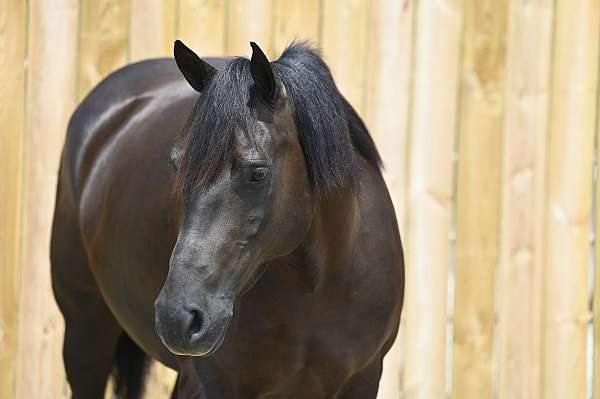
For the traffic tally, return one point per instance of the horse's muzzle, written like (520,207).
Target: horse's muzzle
(189,330)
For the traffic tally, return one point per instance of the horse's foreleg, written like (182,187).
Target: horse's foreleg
(89,348)
(364,384)
(91,332)
(188,386)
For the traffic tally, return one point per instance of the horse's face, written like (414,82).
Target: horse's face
(258,207)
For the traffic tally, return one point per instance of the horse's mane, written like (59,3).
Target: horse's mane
(330,132)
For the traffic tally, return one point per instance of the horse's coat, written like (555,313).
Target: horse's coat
(285,267)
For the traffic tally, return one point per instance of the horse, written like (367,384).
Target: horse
(226,217)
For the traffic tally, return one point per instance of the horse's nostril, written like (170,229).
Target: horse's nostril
(196,325)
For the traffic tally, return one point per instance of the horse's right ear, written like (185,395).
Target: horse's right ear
(196,71)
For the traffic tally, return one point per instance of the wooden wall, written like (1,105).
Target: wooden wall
(486,114)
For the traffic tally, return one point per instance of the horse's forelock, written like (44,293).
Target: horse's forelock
(330,131)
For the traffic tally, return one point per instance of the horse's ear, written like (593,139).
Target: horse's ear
(265,88)
(196,71)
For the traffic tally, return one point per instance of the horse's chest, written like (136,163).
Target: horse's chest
(287,345)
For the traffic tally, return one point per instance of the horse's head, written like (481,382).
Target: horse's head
(264,142)
(245,197)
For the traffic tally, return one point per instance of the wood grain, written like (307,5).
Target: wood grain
(568,201)
(295,20)
(596,293)
(478,196)
(523,197)
(50,101)
(596,298)
(387,117)
(151,28)
(433,120)
(249,21)
(103,41)
(202,25)
(160,382)
(344,43)
(13,39)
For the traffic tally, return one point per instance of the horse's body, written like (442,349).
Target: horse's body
(315,325)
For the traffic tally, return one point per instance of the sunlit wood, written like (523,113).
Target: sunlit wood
(478,196)
(569,194)
(13,39)
(434,115)
(51,97)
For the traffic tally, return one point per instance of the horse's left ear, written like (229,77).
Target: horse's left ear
(265,89)
(195,70)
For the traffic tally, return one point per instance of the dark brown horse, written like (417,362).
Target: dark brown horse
(242,236)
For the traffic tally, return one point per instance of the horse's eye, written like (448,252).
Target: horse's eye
(259,174)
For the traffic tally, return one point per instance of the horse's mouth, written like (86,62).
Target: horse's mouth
(217,344)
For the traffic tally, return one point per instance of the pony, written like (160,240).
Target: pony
(228,218)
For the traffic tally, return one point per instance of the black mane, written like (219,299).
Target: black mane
(330,131)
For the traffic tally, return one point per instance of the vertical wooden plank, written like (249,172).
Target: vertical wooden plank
(103,41)
(574,85)
(478,196)
(387,116)
(160,382)
(202,25)
(295,20)
(437,64)
(151,28)
(249,21)
(388,92)
(596,299)
(13,40)
(50,101)
(523,195)
(344,44)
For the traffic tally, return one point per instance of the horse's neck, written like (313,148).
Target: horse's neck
(324,255)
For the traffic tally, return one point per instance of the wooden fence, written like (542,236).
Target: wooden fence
(486,114)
